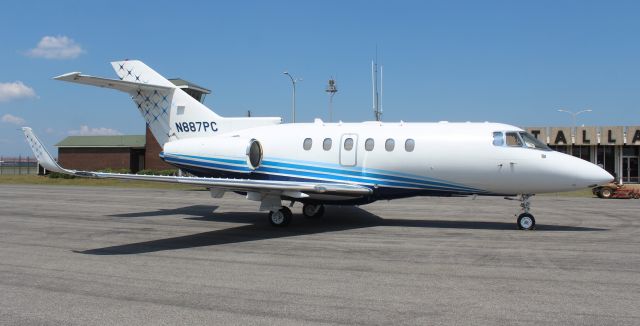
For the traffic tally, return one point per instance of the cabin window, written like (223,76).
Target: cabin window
(409,145)
(368,144)
(389,145)
(513,139)
(348,144)
(326,144)
(307,144)
(498,138)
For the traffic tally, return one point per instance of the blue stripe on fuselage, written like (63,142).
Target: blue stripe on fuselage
(364,173)
(321,173)
(220,166)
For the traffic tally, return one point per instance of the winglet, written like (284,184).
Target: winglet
(42,155)
(68,76)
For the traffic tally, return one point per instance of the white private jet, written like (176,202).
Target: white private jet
(333,163)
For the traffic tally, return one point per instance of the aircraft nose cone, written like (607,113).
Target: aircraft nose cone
(604,177)
(591,175)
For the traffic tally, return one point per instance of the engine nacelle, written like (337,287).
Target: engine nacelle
(246,150)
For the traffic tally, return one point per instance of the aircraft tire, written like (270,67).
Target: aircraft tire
(526,222)
(281,217)
(313,210)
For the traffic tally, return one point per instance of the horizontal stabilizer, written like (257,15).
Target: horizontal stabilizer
(121,85)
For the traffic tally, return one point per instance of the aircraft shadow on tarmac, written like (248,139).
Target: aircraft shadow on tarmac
(258,228)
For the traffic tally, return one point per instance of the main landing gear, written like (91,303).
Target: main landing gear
(525,219)
(280,217)
(313,210)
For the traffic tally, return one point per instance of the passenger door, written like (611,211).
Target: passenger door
(348,150)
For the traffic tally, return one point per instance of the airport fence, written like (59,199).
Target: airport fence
(18,165)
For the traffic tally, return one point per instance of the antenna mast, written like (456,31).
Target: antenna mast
(377,107)
(381,88)
(373,90)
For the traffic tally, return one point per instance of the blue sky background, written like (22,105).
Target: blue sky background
(507,61)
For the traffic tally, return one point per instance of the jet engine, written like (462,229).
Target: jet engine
(226,150)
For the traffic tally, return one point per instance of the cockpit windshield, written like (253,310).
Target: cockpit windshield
(532,142)
(513,140)
(518,139)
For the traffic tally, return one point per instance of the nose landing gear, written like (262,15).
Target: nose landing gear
(525,219)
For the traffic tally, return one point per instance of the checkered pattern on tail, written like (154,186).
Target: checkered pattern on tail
(154,106)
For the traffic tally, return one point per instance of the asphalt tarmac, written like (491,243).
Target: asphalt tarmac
(111,256)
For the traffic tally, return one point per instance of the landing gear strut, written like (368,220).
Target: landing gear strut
(313,210)
(281,217)
(525,219)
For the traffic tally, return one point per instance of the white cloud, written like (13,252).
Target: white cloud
(8,118)
(49,130)
(15,90)
(56,47)
(86,131)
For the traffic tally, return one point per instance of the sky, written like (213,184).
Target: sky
(515,62)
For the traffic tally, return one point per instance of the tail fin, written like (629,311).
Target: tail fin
(169,111)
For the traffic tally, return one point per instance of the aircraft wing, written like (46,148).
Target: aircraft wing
(121,85)
(286,188)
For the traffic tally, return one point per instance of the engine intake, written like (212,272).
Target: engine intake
(254,154)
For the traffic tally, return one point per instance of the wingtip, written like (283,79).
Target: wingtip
(67,75)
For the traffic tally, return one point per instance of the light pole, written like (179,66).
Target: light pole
(574,131)
(293,82)
(574,115)
(332,90)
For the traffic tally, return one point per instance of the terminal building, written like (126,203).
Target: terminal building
(615,148)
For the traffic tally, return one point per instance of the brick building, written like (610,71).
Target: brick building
(131,152)
(152,151)
(101,152)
